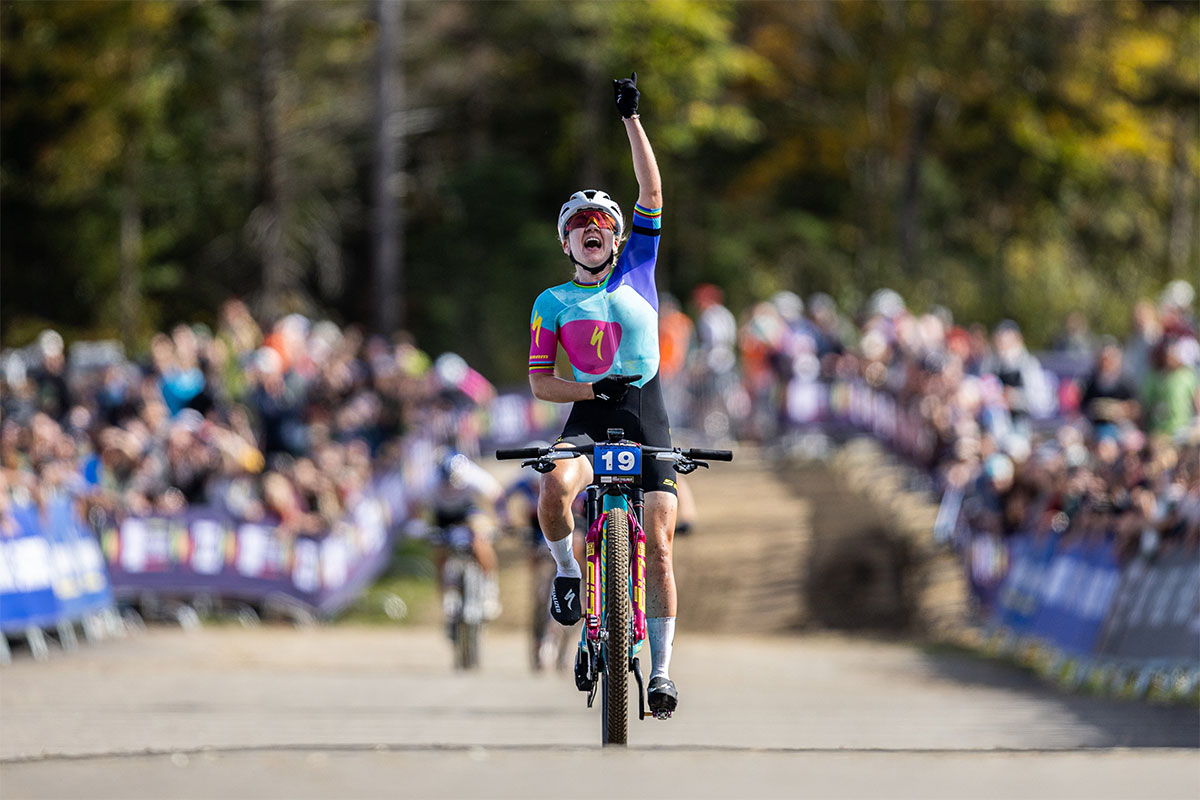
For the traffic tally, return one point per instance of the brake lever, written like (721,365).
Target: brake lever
(539,464)
(689,466)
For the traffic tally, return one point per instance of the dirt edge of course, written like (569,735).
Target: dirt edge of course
(874,565)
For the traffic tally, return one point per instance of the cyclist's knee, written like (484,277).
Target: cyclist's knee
(562,483)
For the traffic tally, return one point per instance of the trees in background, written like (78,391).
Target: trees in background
(1002,159)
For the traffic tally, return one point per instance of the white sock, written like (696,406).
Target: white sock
(661,632)
(564,557)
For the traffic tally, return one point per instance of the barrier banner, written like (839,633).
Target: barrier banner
(1077,591)
(51,569)
(1019,598)
(1061,594)
(206,552)
(1157,610)
(1076,595)
(987,566)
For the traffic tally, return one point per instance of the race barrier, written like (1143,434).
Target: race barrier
(1156,614)
(1073,612)
(204,552)
(1061,593)
(52,575)
(1084,614)
(57,570)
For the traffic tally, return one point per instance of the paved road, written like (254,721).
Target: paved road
(342,712)
(374,712)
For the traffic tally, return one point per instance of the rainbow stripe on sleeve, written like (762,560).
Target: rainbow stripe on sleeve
(541,363)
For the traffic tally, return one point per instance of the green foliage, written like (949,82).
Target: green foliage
(1003,159)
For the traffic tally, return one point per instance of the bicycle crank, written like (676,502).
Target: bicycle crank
(636,669)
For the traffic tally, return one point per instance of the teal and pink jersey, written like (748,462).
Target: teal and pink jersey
(605,328)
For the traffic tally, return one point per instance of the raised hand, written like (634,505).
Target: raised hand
(626,93)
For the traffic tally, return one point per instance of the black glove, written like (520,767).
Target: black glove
(613,388)
(626,93)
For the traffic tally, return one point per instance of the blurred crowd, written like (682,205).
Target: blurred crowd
(290,421)
(286,422)
(1094,437)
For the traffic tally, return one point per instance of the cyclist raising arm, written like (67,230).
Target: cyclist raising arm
(606,320)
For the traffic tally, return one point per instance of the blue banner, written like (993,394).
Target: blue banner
(51,568)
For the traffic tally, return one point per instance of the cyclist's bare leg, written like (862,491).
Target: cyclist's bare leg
(485,554)
(659,522)
(559,488)
(661,598)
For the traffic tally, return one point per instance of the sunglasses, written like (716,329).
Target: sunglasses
(582,219)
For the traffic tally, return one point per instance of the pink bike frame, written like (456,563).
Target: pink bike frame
(595,586)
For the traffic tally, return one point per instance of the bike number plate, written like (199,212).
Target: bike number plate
(617,463)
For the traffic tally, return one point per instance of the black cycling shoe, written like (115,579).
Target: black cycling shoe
(565,606)
(662,696)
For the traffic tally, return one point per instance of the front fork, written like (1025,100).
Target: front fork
(595,564)
(592,657)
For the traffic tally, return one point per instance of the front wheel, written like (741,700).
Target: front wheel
(466,645)
(617,614)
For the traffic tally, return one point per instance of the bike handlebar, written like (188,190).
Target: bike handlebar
(715,455)
(521,452)
(538,452)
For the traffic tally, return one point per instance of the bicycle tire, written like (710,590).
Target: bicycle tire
(615,719)
(467,645)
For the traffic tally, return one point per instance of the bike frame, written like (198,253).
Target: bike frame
(600,500)
(615,487)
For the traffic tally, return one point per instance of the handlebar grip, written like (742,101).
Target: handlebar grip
(713,455)
(523,452)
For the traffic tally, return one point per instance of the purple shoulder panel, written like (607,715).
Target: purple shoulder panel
(635,266)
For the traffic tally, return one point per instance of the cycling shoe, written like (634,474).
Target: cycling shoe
(662,696)
(565,605)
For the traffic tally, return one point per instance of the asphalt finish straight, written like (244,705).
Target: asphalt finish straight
(378,712)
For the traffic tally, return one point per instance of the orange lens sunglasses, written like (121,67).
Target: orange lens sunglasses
(582,219)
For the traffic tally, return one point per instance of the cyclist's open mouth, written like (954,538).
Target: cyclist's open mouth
(592,242)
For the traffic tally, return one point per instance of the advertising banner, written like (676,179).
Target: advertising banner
(206,552)
(1077,591)
(1156,613)
(51,569)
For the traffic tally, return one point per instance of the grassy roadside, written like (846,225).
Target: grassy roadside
(405,594)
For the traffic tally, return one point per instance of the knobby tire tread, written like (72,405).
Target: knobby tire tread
(617,616)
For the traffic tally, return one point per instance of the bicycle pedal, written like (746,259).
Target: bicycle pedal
(584,681)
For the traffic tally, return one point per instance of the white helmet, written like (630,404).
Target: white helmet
(590,198)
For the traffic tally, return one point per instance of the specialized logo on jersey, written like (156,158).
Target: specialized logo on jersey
(536,329)
(591,344)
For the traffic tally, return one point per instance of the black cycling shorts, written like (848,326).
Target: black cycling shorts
(643,416)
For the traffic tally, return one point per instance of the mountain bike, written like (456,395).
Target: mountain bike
(614,629)
(462,595)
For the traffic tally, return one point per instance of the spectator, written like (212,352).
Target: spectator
(1173,398)
(276,398)
(1075,337)
(675,340)
(1144,338)
(1175,309)
(53,396)
(1025,390)
(1109,400)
